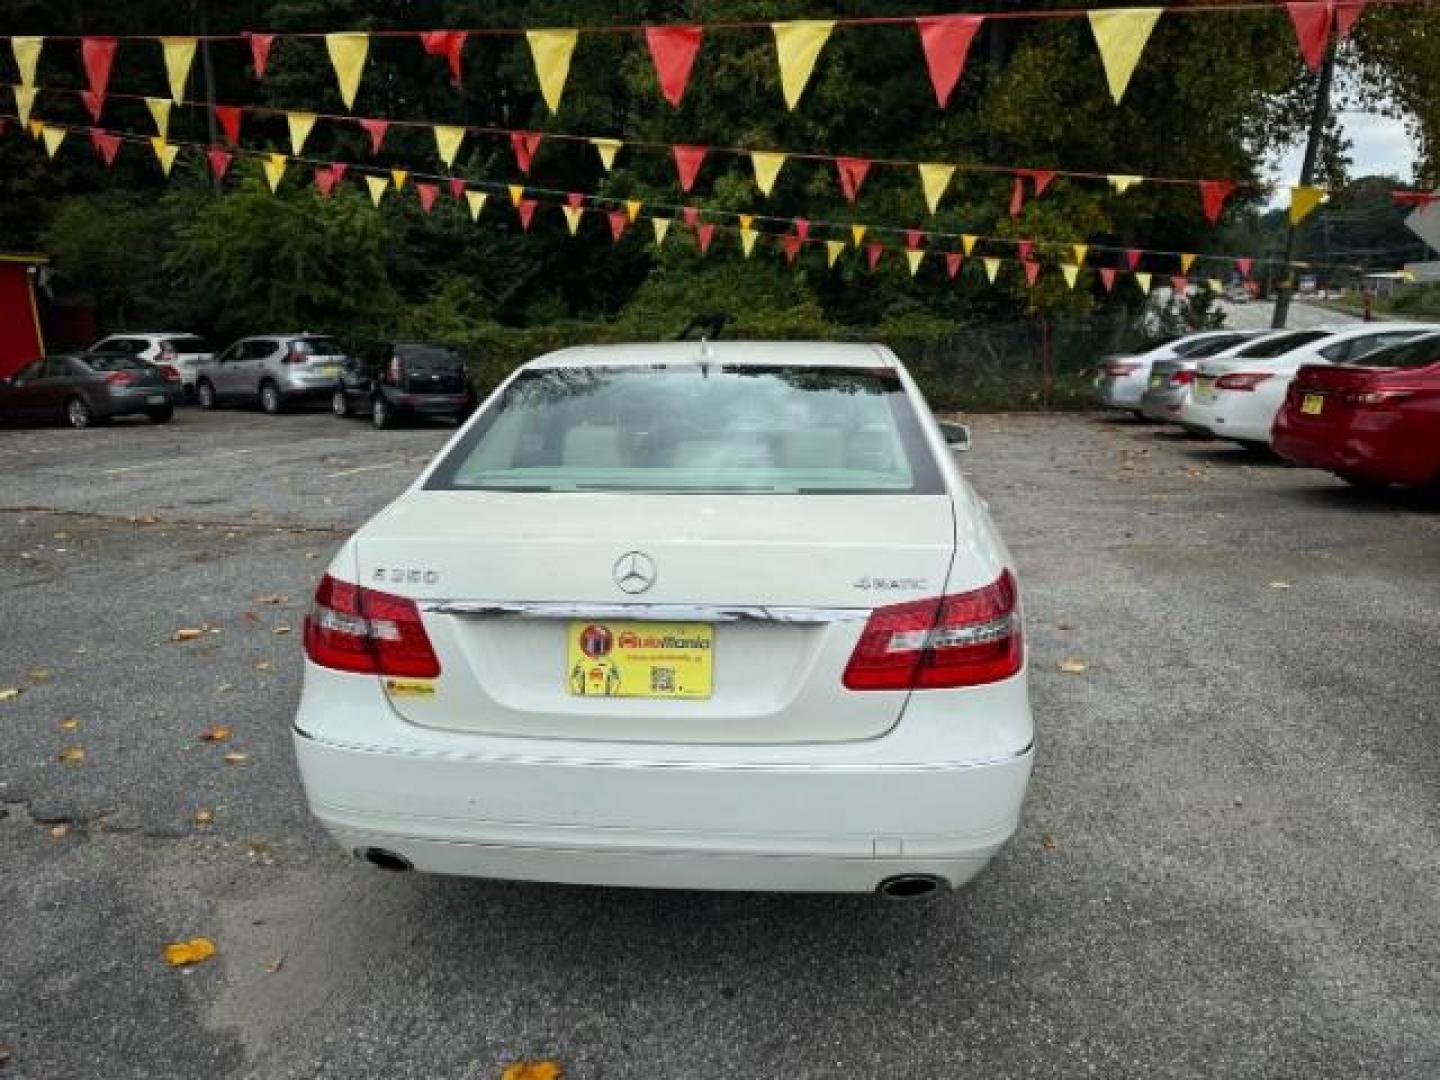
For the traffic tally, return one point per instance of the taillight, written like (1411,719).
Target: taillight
(1182,378)
(1371,398)
(962,640)
(293,357)
(351,628)
(1242,380)
(1121,369)
(120,378)
(168,373)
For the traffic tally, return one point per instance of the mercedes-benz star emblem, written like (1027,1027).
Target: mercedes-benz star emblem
(634,572)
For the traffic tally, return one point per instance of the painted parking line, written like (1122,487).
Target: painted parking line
(208,457)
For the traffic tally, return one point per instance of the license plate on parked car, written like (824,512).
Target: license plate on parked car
(1203,385)
(155,399)
(1157,381)
(329,369)
(1313,404)
(621,658)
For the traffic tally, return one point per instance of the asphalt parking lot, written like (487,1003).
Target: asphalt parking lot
(1228,864)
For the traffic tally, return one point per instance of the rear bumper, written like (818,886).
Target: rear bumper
(429,404)
(130,404)
(1119,393)
(1162,405)
(298,391)
(830,828)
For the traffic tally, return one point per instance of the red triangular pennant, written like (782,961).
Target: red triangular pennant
(690,215)
(98,53)
(852,174)
(376,129)
(229,118)
(1415,198)
(219,161)
(802,227)
(106,145)
(914,238)
(1132,259)
(1312,29)
(338,168)
(704,235)
(525,143)
(457,187)
(260,51)
(526,210)
(1107,277)
(1032,271)
(427,193)
(1042,178)
(873,251)
(1179,284)
(1017,197)
(619,220)
(687,163)
(1026,248)
(1244,266)
(790,244)
(953,259)
(325,180)
(94,103)
(1213,194)
(673,49)
(574,198)
(446,43)
(946,40)
(1346,12)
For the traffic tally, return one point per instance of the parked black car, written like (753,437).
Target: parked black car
(87,388)
(404,379)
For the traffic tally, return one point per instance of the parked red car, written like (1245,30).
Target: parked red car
(1374,424)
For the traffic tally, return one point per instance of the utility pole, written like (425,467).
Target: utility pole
(207,67)
(1318,116)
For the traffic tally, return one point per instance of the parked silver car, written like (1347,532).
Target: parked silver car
(273,369)
(1170,379)
(163,348)
(1123,379)
(89,388)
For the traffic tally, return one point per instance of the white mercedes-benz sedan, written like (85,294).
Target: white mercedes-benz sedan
(690,615)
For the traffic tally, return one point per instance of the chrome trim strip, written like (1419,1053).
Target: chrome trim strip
(713,613)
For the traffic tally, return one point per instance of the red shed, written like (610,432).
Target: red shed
(20,337)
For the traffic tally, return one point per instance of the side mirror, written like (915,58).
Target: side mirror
(957,436)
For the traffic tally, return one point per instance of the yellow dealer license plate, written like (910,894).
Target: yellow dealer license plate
(1313,405)
(640,659)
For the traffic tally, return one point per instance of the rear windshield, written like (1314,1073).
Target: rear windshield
(1413,354)
(316,346)
(1283,343)
(1210,346)
(426,360)
(112,362)
(188,344)
(696,428)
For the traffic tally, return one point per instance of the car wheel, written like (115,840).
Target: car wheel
(381,415)
(339,403)
(270,399)
(205,394)
(161,415)
(78,412)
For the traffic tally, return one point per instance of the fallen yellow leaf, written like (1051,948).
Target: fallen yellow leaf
(1073,667)
(59,832)
(9,693)
(215,733)
(71,755)
(274,962)
(180,953)
(38,674)
(282,629)
(533,1070)
(186,633)
(273,598)
(1049,843)
(1279,584)
(69,725)
(204,816)
(234,757)
(262,665)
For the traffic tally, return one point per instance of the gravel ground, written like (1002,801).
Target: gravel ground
(1227,867)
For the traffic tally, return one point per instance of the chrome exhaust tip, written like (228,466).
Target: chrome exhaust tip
(385,860)
(910,886)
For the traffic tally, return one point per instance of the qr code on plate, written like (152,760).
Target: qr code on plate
(662,680)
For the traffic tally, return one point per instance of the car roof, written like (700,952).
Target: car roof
(758,353)
(149,333)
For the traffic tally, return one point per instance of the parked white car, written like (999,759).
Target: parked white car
(692,615)
(1237,397)
(1272,344)
(1171,379)
(173,348)
(1123,379)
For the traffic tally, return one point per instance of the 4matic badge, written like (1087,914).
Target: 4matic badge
(405,575)
(890,584)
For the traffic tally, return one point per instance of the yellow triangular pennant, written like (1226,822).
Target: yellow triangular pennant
(607,149)
(992,268)
(517,193)
(1187,260)
(1215,285)
(27,57)
(767,168)
(747,239)
(399,176)
(164,153)
(1081,250)
(798,46)
(858,233)
(476,201)
(967,244)
(914,258)
(301,124)
(160,113)
(1121,34)
(52,137)
(274,171)
(179,55)
(833,250)
(447,142)
(747,221)
(1122,184)
(1143,280)
(573,214)
(935,179)
(551,50)
(661,225)
(24,102)
(632,208)
(35,127)
(377,186)
(1303,201)
(1071,272)
(347,57)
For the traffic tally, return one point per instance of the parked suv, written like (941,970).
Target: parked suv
(173,348)
(404,379)
(273,369)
